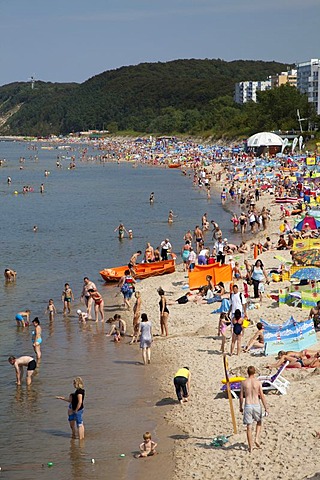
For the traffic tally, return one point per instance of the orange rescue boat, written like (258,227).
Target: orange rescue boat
(143,270)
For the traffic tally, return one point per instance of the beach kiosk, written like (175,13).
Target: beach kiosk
(265,142)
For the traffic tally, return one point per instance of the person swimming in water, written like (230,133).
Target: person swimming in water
(10,275)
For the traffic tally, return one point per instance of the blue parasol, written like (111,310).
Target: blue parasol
(309,273)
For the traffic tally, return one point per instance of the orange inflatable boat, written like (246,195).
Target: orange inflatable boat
(143,270)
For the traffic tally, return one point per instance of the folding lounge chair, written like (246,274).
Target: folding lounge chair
(269,382)
(276,381)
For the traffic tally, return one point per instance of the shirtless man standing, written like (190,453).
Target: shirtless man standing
(133,262)
(251,390)
(21,362)
(87,284)
(198,236)
(315,315)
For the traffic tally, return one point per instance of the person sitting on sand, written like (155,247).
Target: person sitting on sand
(244,248)
(214,295)
(257,340)
(148,446)
(282,244)
(268,245)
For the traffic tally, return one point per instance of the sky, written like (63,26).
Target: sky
(73,40)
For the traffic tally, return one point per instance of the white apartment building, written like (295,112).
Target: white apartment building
(308,81)
(247,91)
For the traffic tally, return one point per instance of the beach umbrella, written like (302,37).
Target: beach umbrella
(308,273)
(312,222)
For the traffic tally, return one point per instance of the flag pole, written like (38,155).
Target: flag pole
(225,364)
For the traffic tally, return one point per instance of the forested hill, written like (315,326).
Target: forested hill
(178,96)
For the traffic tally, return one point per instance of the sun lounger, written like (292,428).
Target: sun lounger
(269,382)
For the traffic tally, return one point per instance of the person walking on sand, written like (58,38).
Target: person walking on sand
(251,390)
(181,382)
(126,284)
(21,362)
(67,296)
(98,304)
(164,313)
(145,338)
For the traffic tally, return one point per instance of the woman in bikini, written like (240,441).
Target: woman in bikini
(98,304)
(297,359)
(36,337)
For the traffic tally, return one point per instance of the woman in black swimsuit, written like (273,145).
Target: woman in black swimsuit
(164,313)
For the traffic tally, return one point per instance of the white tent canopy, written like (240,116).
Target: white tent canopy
(265,139)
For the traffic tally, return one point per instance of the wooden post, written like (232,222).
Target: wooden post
(225,364)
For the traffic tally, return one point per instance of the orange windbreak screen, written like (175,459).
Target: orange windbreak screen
(197,278)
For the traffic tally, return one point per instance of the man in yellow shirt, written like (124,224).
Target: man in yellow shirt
(182,384)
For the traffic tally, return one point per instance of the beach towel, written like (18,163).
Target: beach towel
(224,307)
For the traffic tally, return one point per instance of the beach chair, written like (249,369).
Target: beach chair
(276,381)
(269,382)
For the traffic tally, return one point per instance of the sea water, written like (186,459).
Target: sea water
(76,217)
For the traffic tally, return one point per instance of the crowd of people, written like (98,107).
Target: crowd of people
(246,289)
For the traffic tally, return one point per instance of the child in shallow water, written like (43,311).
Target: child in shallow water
(147,447)
(116,335)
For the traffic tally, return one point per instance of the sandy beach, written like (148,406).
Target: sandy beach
(288,447)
